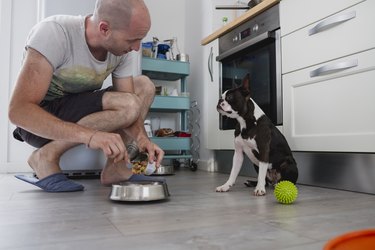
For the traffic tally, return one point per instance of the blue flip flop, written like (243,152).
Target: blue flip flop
(54,183)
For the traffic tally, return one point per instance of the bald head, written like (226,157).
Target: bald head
(118,13)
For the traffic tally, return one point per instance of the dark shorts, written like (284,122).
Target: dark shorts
(69,108)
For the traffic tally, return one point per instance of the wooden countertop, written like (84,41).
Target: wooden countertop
(264,5)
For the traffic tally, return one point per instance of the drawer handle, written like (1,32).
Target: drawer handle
(332,68)
(332,21)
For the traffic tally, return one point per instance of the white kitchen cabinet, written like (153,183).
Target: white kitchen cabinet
(333,112)
(211,86)
(336,36)
(215,138)
(328,80)
(296,14)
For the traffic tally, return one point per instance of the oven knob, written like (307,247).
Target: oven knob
(235,39)
(255,28)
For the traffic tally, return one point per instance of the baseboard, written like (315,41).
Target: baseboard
(345,171)
(209,166)
(19,167)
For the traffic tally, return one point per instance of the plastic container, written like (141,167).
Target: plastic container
(150,169)
(147,125)
(361,240)
(162,51)
(147,49)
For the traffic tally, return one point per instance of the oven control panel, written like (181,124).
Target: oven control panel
(265,22)
(246,33)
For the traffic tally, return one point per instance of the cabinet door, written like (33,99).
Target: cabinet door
(334,110)
(215,138)
(345,33)
(211,87)
(296,14)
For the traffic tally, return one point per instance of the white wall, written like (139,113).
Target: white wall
(71,7)
(196,28)
(5,18)
(18,16)
(168,20)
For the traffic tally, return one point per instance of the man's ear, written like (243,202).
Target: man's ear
(104,28)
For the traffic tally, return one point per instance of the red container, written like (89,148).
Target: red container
(358,240)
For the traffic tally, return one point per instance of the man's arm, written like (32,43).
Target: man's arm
(24,110)
(137,130)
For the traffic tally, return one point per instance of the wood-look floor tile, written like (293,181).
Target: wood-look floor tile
(195,217)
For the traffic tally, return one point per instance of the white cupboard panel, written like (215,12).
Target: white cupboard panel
(334,112)
(211,83)
(296,14)
(301,50)
(215,138)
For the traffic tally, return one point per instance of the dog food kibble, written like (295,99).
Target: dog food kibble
(139,167)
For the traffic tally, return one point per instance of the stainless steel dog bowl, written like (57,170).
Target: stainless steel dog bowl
(164,170)
(139,191)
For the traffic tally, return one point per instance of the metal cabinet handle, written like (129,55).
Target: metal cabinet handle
(332,68)
(210,64)
(332,21)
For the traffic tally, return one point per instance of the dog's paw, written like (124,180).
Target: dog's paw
(223,188)
(260,190)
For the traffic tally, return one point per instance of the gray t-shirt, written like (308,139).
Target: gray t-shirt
(61,39)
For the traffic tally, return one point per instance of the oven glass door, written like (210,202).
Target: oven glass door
(260,63)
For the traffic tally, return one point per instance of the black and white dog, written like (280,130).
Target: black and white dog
(258,138)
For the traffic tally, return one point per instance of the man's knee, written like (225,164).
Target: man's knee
(126,105)
(144,85)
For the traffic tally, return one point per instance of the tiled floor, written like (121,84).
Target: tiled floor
(195,217)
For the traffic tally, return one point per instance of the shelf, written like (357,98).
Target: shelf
(170,103)
(172,143)
(161,69)
(177,156)
(168,70)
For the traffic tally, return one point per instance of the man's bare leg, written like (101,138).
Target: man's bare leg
(116,172)
(45,161)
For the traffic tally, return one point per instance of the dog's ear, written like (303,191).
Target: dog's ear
(246,85)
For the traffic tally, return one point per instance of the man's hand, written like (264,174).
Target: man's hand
(155,153)
(111,144)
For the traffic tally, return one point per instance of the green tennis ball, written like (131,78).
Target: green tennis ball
(285,192)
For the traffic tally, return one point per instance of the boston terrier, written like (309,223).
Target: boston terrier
(257,137)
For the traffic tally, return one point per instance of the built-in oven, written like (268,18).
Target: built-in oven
(254,48)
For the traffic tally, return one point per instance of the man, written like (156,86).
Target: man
(58,102)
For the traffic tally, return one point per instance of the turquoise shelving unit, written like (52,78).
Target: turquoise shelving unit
(168,70)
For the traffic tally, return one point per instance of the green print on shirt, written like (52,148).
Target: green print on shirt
(75,80)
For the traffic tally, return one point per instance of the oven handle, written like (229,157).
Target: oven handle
(246,44)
